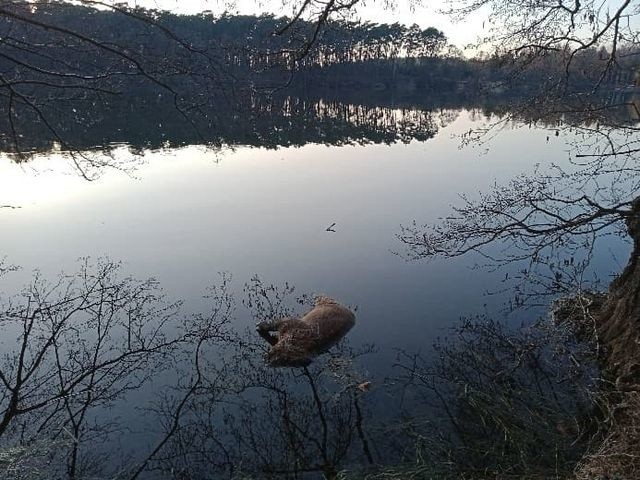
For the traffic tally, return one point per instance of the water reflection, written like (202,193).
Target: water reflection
(86,343)
(253,120)
(93,133)
(98,342)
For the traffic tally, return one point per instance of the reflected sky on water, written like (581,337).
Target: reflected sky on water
(191,212)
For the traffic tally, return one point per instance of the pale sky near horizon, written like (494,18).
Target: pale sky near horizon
(426,15)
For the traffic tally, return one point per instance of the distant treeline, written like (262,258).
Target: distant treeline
(48,39)
(81,76)
(54,37)
(503,75)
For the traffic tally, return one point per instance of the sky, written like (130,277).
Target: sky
(427,15)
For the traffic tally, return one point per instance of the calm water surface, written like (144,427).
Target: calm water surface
(188,213)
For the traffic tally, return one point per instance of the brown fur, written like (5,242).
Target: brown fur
(299,340)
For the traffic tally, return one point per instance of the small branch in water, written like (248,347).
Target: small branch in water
(10,206)
(330,227)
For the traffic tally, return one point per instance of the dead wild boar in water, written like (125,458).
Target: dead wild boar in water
(299,340)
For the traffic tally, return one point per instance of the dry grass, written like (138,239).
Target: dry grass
(616,450)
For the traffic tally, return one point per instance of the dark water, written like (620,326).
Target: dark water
(185,214)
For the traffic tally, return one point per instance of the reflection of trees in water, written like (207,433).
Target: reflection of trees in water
(500,401)
(151,117)
(93,129)
(231,414)
(87,341)
(149,123)
(281,423)
(268,422)
(399,124)
(259,122)
(546,226)
(76,348)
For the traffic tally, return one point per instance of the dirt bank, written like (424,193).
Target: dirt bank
(614,326)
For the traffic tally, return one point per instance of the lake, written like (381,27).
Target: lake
(321,217)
